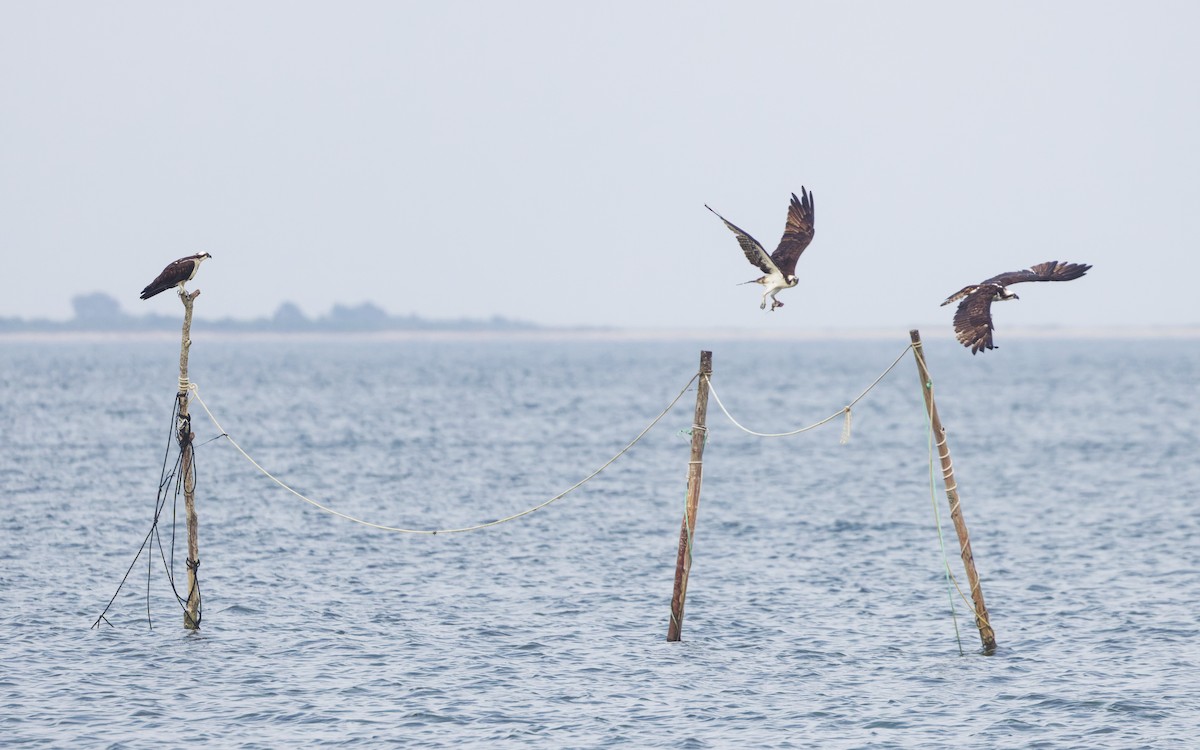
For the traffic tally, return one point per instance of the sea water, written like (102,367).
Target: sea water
(818,608)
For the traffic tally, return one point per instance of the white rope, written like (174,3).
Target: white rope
(844,410)
(195,389)
(745,429)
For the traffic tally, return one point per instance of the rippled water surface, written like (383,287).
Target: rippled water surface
(817,613)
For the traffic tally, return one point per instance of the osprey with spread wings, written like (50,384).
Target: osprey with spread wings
(973,319)
(779,266)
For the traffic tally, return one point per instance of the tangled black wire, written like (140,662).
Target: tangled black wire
(170,485)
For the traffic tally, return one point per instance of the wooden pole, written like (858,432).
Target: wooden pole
(683,562)
(191,613)
(986,634)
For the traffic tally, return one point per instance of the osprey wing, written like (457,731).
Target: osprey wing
(797,233)
(973,320)
(960,294)
(1051,270)
(755,253)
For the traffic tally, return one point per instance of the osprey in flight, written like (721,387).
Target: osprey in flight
(973,320)
(175,274)
(779,266)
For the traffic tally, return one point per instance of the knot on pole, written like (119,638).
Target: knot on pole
(183,384)
(193,565)
(183,425)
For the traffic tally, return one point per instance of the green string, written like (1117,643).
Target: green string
(937,518)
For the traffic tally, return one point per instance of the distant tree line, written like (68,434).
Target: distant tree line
(102,312)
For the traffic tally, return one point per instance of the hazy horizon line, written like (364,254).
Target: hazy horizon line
(621,333)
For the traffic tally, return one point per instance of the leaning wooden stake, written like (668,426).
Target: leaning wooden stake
(683,562)
(191,613)
(986,634)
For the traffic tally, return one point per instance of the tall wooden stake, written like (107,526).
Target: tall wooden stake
(191,614)
(986,634)
(683,562)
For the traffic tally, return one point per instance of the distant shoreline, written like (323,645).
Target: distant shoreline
(930,332)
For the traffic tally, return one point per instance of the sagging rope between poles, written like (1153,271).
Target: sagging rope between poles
(194,388)
(844,410)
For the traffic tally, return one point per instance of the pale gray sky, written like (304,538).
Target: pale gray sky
(550,161)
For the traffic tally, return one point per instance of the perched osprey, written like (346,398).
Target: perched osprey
(973,320)
(779,266)
(177,274)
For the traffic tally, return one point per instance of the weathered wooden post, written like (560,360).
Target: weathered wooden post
(191,613)
(683,562)
(986,634)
